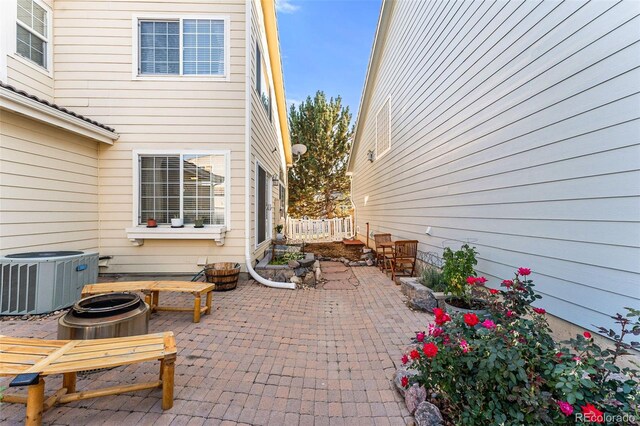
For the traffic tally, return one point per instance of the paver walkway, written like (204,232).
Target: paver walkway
(264,356)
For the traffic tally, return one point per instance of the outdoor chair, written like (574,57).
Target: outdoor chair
(380,253)
(402,261)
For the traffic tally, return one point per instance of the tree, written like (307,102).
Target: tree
(318,184)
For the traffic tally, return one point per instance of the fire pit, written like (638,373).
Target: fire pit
(104,316)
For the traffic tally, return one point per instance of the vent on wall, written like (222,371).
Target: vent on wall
(36,283)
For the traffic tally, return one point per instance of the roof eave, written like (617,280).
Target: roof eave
(372,68)
(19,104)
(271,29)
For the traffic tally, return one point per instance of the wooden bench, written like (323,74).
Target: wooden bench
(32,359)
(152,290)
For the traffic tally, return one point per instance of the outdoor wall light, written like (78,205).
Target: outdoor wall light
(371,155)
(275,178)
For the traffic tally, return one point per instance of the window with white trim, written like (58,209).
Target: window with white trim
(181,47)
(262,82)
(190,186)
(383,130)
(32,32)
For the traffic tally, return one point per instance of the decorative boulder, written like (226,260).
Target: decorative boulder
(397,378)
(423,304)
(414,396)
(428,414)
(293,264)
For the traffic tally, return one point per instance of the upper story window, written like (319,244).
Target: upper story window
(262,82)
(32,32)
(182,47)
(383,130)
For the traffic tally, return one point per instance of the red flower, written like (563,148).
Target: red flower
(441,316)
(437,332)
(481,280)
(510,314)
(430,350)
(587,335)
(404,381)
(559,355)
(524,271)
(420,337)
(405,359)
(539,311)
(507,283)
(414,354)
(471,280)
(437,312)
(592,414)
(493,291)
(471,319)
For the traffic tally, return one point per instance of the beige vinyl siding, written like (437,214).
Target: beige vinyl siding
(48,187)
(94,77)
(264,136)
(514,126)
(28,76)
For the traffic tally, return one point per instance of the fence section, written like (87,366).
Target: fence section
(319,230)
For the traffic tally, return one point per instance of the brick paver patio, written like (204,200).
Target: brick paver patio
(264,356)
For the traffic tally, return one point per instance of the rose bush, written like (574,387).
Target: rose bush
(504,367)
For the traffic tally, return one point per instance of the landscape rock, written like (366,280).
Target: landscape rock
(300,272)
(318,274)
(414,396)
(316,264)
(309,280)
(428,414)
(296,280)
(366,250)
(425,305)
(306,263)
(370,262)
(400,373)
(280,278)
(293,264)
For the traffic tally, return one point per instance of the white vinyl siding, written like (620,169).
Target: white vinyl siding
(32,32)
(515,127)
(383,130)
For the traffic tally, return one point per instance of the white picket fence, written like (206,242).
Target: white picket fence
(319,230)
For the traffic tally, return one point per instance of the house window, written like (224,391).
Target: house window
(182,47)
(263,205)
(383,130)
(32,32)
(189,186)
(262,82)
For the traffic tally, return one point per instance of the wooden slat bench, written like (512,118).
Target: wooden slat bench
(33,359)
(152,290)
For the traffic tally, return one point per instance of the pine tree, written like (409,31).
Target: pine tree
(318,184)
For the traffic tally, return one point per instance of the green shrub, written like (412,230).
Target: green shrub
(458,266)
(432,278)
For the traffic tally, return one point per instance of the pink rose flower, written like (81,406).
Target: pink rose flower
(565,407)
(420,337)
(489,324)
(464,346)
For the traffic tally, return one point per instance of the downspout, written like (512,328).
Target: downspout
(247,156)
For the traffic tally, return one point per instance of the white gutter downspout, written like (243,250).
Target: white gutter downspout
(247,155)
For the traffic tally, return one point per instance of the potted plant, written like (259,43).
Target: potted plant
(152,223)
(279,235)
(461,279)
(177,221)
(199,223)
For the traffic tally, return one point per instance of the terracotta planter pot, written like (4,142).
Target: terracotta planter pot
(152,223)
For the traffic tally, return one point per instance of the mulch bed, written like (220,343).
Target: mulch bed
(334,250)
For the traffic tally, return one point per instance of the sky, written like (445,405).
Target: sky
(325,45)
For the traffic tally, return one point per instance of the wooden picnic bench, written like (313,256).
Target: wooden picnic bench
(152,289)
(30,360)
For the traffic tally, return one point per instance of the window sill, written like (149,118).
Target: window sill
(180,77)
(138,234)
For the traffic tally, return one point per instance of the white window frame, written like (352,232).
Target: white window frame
(135,47)
(13,48)
(227,182)
(380,154)
(269,206)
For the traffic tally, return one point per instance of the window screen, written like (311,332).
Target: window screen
(31,32)
(160,47)
(383,130)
